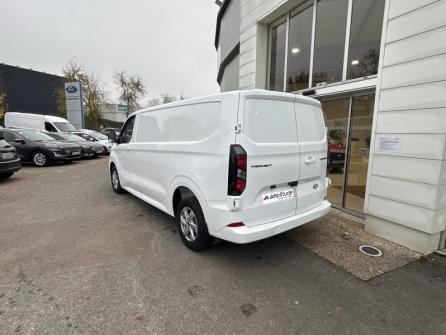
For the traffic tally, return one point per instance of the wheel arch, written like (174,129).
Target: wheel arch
(184,187)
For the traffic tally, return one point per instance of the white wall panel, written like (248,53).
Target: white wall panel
(427,18)
(429,146)
(418,194)
(430,95)
(399,7)
(413,121)
(419,71)
(416,47)
(413,169)
(415,217)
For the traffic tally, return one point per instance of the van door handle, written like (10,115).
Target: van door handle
(293,183)
(309,160)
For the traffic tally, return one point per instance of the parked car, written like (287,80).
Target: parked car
(39,148)
(110,131)
(240,166)
(336,155)
(88,149)
(9,160)
(94,136)
(37,121)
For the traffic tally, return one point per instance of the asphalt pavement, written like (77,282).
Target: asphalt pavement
(76,258)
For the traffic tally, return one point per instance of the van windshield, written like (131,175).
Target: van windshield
(64,126)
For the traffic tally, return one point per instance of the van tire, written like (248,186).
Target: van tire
(202,240)
(116,183)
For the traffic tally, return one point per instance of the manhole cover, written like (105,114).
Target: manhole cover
(370,251)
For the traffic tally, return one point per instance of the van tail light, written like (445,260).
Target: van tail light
(236,224)
(237,170)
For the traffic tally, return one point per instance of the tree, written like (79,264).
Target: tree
(164,99)
(131,90)
(93,93)
(3,106)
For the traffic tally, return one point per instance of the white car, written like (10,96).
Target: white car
(240,166)
(95,136)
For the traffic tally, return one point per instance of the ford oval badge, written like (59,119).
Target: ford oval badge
(315,186)
(71,89)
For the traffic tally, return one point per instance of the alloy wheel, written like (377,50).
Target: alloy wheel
(189,224)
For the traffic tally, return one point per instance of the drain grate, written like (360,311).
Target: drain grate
(370,250)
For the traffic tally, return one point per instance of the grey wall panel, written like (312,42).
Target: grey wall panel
(230,29)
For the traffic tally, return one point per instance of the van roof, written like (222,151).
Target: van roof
(51,118)
(245,93)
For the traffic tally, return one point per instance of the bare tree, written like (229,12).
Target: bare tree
(164,99)
(93,93)
(3,106)
(131,90)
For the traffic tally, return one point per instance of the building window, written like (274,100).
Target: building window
(331,21)
(277,60)
(365,38)
(304,58)
(299,50)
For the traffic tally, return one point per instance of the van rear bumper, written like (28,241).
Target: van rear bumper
(245,234)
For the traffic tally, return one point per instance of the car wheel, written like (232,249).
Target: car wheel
(116,184)
(192,226)
(6,175)
(40,159)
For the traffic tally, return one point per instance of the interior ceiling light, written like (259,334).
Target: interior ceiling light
(355,62)
(295,50)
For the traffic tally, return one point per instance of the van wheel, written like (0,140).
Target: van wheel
(116,183)
(40,159)
(191,225)
(6,175)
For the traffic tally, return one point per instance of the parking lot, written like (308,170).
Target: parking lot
(78,258)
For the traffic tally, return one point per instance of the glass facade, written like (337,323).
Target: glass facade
(349,129)
(365,38)
(277,63)
(331,21)
(321,56)
(299,50)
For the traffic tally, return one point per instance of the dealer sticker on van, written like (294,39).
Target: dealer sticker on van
(278,196)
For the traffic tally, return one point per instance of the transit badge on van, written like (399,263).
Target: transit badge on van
(278,196)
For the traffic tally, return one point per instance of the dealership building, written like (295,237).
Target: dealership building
(378,67)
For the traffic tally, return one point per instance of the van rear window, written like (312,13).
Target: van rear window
(310,123)
(189,123)
(270,121)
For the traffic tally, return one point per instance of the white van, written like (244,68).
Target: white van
(37,121)
(240,166)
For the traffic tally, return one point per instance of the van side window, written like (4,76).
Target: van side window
(50,127)
(127,130)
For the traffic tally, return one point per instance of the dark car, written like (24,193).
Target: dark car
(9,160)
(88,149)
(108,131)
(39,148)
(336,155)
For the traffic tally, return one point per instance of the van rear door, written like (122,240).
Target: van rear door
(268,134)
(312,139)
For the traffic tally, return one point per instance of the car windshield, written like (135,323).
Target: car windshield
(34,135)
(64,126)
(71,137)
(100,136)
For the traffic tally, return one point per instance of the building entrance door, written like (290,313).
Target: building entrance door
(349,122)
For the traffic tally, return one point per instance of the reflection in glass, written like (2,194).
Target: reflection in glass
(331,20)
(365,38)
(277,67)
(359,148)
(336,120)
(299,50)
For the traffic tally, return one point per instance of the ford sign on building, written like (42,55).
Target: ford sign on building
(73,98)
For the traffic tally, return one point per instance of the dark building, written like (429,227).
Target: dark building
(29,91)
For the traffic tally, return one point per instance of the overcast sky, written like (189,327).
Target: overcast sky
(168,43)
